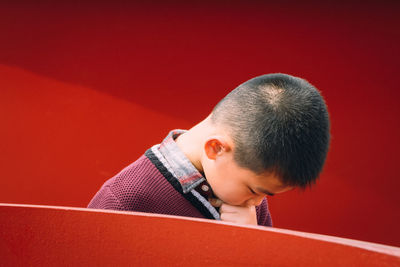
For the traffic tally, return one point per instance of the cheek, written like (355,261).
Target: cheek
(225,183)
(230,192)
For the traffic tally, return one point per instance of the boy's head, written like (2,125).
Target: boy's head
(279,127)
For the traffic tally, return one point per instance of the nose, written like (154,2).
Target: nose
(255,201)
(258,201)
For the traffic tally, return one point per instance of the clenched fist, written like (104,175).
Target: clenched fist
(236,214)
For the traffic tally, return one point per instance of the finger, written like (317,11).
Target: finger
(226,208)
(215,202)
(234,209)
(230,217)
(239,218)
(226,217)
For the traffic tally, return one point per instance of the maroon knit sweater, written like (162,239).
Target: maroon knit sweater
(147,186)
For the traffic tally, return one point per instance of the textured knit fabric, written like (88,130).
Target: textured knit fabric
(162,181)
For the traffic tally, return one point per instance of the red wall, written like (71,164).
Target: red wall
(86,88)
(83,237)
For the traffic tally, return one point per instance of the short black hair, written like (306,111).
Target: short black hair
(280,124)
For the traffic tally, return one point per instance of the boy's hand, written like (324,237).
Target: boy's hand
(235,214)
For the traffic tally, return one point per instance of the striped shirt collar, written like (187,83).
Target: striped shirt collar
(183,170)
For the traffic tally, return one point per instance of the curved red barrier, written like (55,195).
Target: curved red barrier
(57,236)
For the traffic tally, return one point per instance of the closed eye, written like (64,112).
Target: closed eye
(252,191)
(263,191)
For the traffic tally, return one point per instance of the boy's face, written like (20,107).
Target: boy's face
(238,186)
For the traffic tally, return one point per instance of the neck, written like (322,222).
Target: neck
(191,143)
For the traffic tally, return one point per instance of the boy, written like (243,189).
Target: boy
(267,136)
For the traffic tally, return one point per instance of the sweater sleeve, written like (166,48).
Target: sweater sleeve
(105,199)
(263,214)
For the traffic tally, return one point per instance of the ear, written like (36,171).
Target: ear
(215,146)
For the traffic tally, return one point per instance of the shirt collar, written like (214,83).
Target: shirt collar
(184,171)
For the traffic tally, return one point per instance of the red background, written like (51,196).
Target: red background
(85,88)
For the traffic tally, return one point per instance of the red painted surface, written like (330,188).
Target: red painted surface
(85,88)
(45,236)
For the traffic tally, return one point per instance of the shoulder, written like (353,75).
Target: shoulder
(139,185)
(136,178)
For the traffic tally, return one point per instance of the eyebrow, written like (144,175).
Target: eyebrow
(265,191)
